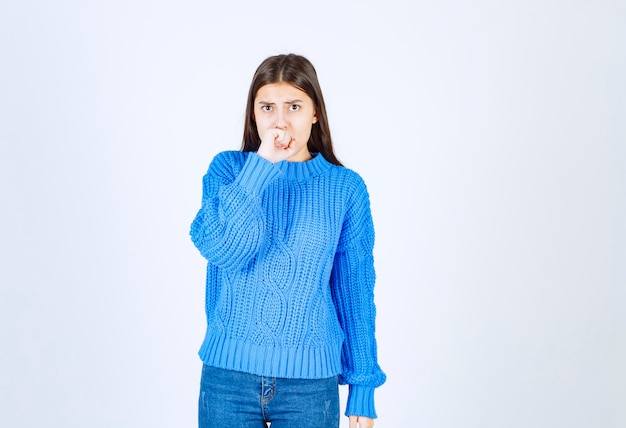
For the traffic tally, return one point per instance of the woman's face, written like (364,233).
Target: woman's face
(283,106)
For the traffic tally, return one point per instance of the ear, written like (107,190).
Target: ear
(315,117)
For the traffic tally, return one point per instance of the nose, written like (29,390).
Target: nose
(280,120)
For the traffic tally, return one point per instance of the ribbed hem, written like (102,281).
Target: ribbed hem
(257,173)
(361,401)
(295,363)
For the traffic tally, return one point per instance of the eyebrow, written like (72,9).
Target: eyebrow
(296,101)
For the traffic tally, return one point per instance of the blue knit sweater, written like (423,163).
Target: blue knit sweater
(290,276)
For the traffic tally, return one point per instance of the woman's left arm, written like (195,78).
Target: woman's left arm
(352,284)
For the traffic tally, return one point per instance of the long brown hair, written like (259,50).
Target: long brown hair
(299,72)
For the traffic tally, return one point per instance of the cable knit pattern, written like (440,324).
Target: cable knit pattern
(290,272)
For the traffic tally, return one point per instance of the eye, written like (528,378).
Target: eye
(266,108)
(294,107)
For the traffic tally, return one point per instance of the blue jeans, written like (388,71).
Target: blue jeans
(231,399)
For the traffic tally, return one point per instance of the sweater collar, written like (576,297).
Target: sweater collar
(300,171)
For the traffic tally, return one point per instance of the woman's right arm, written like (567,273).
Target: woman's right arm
(229,228)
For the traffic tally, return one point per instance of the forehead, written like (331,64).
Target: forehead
(280,91)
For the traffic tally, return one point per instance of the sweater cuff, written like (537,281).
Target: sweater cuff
(361,401)
(257,173)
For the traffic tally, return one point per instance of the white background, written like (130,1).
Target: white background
(491,135)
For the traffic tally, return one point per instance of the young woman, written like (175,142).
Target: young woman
(288,235)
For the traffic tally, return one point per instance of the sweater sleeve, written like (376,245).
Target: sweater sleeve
(229,228)
(352,285)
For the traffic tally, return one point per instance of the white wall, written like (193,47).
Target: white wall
(491,135)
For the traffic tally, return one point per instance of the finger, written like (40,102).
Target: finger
(284,138)
(364,422)
(289,145)
(270,136)
(353,421)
